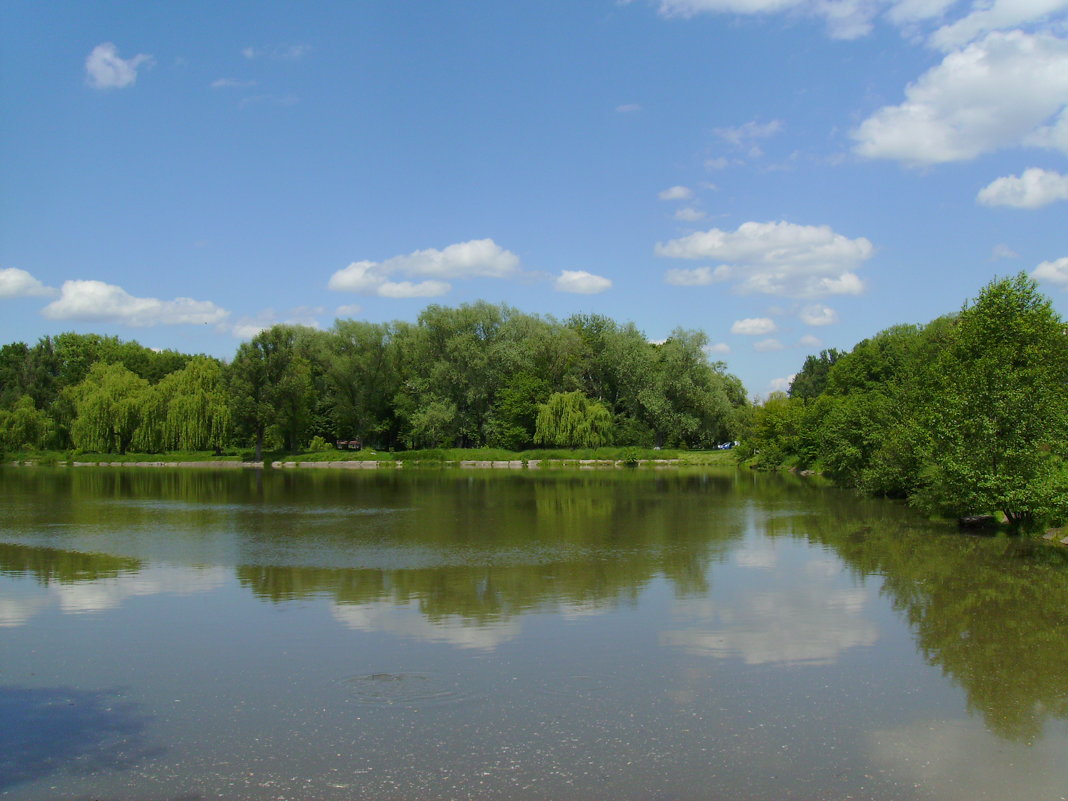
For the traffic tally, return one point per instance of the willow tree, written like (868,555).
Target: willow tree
(571,420)
(107,408)
(198,416)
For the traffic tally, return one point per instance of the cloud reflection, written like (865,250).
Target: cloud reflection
(407,620)
(945,759)
(790,613)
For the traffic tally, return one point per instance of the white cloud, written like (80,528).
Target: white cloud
(689,214)
(1003,251)
(818,314)
(97,301)
(781,384)
(768,345)
(845,19)
(1031,190)
(231,83)
(676,193)
(718,348)
(850,19)
(248,327)
(628,108)
(16,283)
(348,310)
(478,258)
(1003,91)
(998,15)
(745,135)
(105,70)
(774,258)
(1056,272)
(810,341)
(754,326)
(581,282)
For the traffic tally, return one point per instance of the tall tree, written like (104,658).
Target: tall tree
(997,421)
(571,420)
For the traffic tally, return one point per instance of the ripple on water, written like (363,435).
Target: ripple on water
(408,689)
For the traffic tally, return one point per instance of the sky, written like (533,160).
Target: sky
(784,175)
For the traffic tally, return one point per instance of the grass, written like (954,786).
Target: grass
(432,457)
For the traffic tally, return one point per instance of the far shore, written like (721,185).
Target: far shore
(374,464)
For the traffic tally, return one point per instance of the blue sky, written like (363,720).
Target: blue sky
(785,175)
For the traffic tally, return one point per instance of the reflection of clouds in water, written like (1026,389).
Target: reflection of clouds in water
(109,593)
(759,553)
(407,620)
(16,611)
(580,609)
(959,760)
(809,621)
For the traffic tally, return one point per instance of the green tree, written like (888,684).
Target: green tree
(997,421)
(811,380)
(25,426)
(271,387)
(108,406)
(571,420)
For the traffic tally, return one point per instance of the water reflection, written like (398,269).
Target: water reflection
(673,585)
(84,732)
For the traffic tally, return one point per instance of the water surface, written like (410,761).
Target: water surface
(170,634)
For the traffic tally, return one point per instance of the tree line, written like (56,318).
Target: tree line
(964,416)
(472,376)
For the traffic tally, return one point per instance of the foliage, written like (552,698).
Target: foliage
(571,420)
(966,415)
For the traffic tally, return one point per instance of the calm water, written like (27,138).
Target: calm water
(503,635)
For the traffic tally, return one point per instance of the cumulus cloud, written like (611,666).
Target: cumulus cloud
(1031,190)
(717,348)
(774,258)
(810,341)
(628,108)
(676,193)
(1056,272)
(1009,89)
(768,345)
(478,258)
(105,70)
(818,314)
(16,283)
(581,282)
(348,310)
(754,326)
(97,301)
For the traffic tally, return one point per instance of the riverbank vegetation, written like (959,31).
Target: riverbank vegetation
(964,416)
(475,376)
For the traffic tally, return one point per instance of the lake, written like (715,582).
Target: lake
(446,634)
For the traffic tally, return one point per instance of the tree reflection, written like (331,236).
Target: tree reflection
(992,613)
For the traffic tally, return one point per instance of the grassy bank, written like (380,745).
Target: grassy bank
(439,456)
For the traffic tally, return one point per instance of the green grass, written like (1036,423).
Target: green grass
(431,457)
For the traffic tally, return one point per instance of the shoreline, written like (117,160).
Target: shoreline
(375,464)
